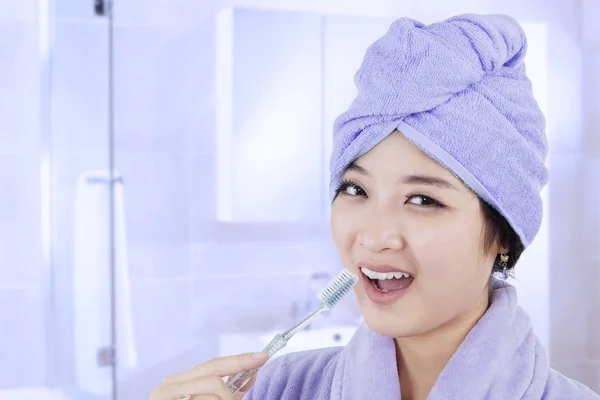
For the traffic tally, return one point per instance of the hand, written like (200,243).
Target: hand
(204,382)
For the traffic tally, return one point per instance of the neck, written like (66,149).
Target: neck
(421,359)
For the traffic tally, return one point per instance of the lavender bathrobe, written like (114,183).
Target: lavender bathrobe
(500,359)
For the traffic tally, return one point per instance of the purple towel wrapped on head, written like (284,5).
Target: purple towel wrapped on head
(458,90)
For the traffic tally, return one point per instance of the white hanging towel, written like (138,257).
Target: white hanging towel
(91,282)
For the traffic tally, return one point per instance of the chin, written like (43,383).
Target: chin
(388,325)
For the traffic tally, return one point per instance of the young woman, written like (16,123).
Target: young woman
(435,179)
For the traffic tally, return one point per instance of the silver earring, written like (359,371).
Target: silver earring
(504,265)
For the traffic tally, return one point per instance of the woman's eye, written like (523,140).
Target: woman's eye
(351,189)
(424,201)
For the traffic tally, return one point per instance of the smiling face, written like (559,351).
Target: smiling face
(398,210)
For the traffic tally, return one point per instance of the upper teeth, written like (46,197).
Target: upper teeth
(383,275)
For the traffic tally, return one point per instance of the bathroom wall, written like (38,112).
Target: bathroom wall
(195,275)
(22,268)
(575,237)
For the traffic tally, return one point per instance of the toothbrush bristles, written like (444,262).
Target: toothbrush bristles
(338,288)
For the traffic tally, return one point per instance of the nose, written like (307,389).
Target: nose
(383,233)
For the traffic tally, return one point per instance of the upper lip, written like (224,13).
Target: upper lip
(381,268)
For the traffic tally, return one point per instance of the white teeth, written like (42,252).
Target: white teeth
(383,276)
(378,275)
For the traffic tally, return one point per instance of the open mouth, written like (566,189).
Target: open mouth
(388,281)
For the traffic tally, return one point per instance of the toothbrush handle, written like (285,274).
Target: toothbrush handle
(304,323)
(238,381)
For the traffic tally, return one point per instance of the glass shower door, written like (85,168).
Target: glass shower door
(82,336)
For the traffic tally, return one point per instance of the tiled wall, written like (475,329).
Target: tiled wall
(575,255)
(22,327)
(188,281)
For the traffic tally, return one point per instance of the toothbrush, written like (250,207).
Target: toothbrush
(329,296)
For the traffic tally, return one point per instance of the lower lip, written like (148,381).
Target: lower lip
(379,297)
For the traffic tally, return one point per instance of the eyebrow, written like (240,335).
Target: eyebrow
(357,168)
(428,180)
(411,179)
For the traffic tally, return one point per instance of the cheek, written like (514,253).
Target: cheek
(344,227)
(448,255)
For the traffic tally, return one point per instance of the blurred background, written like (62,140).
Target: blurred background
(208,124)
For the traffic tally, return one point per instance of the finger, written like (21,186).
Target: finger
(205,386)
(222,366)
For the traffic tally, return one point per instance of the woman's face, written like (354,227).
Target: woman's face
(398,210)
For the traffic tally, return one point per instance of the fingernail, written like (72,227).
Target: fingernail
(259,355)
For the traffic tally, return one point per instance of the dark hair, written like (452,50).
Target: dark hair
(497,229)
